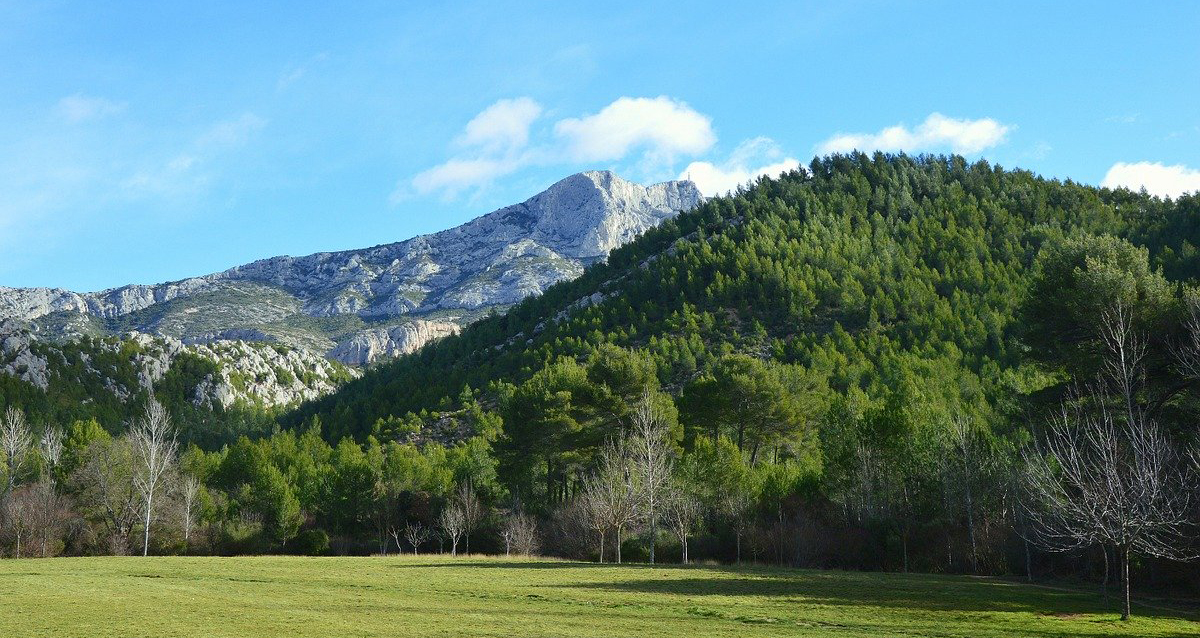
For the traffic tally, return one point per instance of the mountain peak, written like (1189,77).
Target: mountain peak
(350,305)
(588,214)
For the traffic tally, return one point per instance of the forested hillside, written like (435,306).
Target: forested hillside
(869,272)
(858,364)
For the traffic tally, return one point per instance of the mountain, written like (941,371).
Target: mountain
(878,274)
(357,306)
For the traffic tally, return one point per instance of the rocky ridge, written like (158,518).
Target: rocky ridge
(359,306)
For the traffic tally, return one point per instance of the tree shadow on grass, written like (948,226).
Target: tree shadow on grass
(509,564)
(836,588)
(899,591)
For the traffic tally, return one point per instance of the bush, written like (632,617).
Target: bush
(312,542)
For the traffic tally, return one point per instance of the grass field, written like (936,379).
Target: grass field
(439,596)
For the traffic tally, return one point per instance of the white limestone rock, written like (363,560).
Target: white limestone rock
(368,346)
(494,260)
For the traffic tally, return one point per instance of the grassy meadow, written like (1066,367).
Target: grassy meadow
(475,596)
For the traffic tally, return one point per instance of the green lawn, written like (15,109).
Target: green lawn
(439,596)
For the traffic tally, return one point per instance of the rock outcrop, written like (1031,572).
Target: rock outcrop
(368,346)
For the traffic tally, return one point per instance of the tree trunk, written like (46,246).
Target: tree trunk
(737,534)
(146,531)
(618,545)
(949,551)
(1125,577)
(1028,564)
(653,535)
(1104,586)
(601,548)
(685,555)
(971,531)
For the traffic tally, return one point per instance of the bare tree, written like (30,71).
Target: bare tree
(190,489)
(683,512)
(1099,480)
(611,491)
(520,535)
(47,514)
(454,524)
(962,466)
(1187,352)
(415,533)
(472,512)
(737,506)
(652,460)
(15,440)
(15,511)
(154,447)
(52,446)
(383,514)
(593,513)
(1106,478)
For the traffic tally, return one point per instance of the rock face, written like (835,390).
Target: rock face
(267,375)
(378,343)
(360,305)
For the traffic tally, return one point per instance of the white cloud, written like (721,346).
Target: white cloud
(751,159)
(664,127)
(502,139)
(936,132)
(1156,178)
(79,108)
(457,175)
(495,144)
(503,126)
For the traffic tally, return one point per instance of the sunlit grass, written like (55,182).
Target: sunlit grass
(476,596)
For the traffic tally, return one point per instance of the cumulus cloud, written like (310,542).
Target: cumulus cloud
(937,132)
(457,175)
(664,127)
(503,138)
(80,108)
(493,144)
(1155,177)
(751,159)
(503,126)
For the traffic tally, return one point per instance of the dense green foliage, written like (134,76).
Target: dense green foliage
(860,268)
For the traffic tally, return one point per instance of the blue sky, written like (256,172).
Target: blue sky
(145,142)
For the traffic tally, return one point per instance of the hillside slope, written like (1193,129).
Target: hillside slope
(865,269)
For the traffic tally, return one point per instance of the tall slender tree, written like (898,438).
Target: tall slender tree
(15,440)
(154,445)
(652,460)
